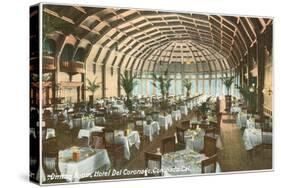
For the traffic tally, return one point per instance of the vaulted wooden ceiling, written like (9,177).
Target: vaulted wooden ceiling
(199,42)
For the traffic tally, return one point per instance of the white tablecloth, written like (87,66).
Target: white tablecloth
(194,140)
(250,123)
(87,132)
(120,108)
(235,109)
(87,123)
(176,115)
(151,129)
(184,110)
(50,133)
(72,170)
(132,139)
(241,120)
(183,162)
(165,121)
(252,137)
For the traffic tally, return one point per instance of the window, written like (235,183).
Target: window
(80,55)
(144,87)
(193,87)
(219,87)
(200,86)
(178,87)
(172,88)
(150,87)
(49,47)
(206,87)
(158,91)
(67,52)
(213,87)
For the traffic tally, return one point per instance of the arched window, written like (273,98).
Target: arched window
(49,47)
(80,55)
(67,52)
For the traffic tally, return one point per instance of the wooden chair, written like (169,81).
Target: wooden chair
(266,135)
(168,144)
(115,151)
(50,159)
(180,136)
(82,142)
(211,129)
(209,165)
(258,123)
(139,123)
(97,140)
(153,161)
(194,126)
(210,148)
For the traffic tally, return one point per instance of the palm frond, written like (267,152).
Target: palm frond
(92,86)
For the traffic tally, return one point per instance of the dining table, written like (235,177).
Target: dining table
(50,133)
(183,162)
(165,121)
(241,120)
(184,110)
(252,137)
(151,129)
(90,160)
(176,115)
(235,109)
(194,139)
(133,138)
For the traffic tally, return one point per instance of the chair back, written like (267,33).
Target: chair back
(180,135)
(109,137)
(98,140)
(168,144)
(210,148)
(153,161)
(266,133)
(209,165)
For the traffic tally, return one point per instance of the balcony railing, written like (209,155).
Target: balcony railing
(72,67)
(48,63)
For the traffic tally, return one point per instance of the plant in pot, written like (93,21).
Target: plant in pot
(164,84)
(92,87)
(227,81)
(187,84)
(203,110)
(250,96)
(128,83)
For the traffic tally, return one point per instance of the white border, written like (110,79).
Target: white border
(40,87)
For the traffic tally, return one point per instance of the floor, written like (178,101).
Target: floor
(233,156)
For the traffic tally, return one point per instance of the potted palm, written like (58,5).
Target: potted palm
(128,83)
(187,84)
(227,81)
(164,84)
(92,87)
(249,95)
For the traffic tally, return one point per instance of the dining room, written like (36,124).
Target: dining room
(129,93)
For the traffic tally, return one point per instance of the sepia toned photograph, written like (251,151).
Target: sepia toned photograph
(126,93)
